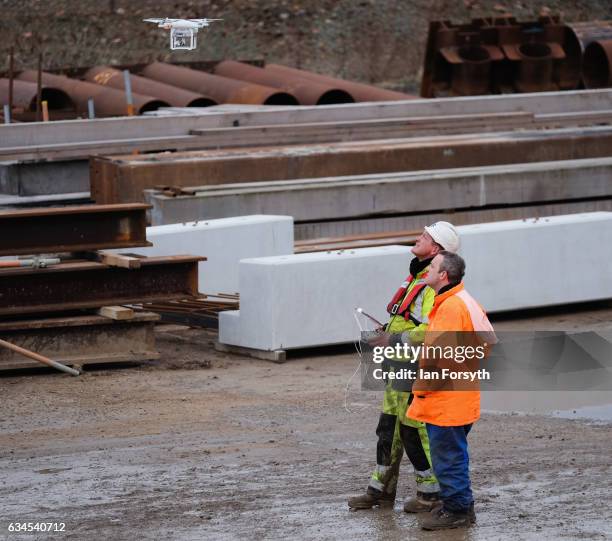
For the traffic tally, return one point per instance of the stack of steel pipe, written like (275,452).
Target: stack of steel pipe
(173,95)
(307,91)
(107,101)
(358,91)
(221,89)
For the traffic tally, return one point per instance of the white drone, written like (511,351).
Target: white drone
(183,32)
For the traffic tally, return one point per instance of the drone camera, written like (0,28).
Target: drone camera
(183,38)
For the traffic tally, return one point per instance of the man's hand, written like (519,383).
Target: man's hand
(381,340)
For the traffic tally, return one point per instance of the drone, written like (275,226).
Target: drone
(183,32)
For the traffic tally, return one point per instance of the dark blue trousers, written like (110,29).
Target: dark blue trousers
(451,464)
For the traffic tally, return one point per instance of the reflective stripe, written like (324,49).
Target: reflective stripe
(480,321)
(375,483)
(426,473)
(426,481)
(428,488)
(381,470)
(418,305)
(377,476)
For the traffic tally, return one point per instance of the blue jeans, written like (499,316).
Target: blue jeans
(451,464)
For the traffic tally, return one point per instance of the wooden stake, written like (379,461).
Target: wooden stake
(39,358)
(118,260)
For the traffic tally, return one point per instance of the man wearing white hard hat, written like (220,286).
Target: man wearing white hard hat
(409,310)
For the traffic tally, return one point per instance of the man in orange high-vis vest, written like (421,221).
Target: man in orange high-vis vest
(449,414)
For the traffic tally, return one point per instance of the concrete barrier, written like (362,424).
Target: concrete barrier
(335,198)
(308,300)
(81,131)
(224,243)
(299,301)
(523,264)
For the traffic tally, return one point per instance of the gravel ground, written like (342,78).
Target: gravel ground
(201,445)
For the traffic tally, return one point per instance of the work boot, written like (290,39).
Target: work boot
(370,499)
(422,502)
(441,519)
(471,512)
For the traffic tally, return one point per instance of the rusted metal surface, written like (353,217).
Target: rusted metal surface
(24,96)
(351,242)
(359,91)
(108,101)
(76,285)
(221,89)
(597,64)
(586,32)
(175,96)
(499,55)
(308,92)
(69,229)
(79,340)
(123,178)
(200,312)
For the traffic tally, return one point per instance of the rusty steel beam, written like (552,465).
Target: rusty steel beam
(77,285)
(25,95)
(359,91)
(221,89)
(79,340)
(71,229)
(308,92)
(175,96)
(123,178)
(108,101)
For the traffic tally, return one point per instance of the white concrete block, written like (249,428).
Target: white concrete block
(224,243)
(539,262)
(308,300)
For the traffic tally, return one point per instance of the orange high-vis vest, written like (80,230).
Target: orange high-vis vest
(453,310)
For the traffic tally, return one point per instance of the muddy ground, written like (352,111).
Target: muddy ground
(203,445)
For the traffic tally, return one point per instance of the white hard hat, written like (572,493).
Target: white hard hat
(445,235)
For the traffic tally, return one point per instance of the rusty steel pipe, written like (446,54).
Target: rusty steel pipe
(597,64)
(221,89)
(307,92)
(109,101)
(359,91)
(25,95)
(535,69)
(175,96)
(578,37)
(470,68)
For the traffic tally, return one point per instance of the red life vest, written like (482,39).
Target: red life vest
(397,306)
